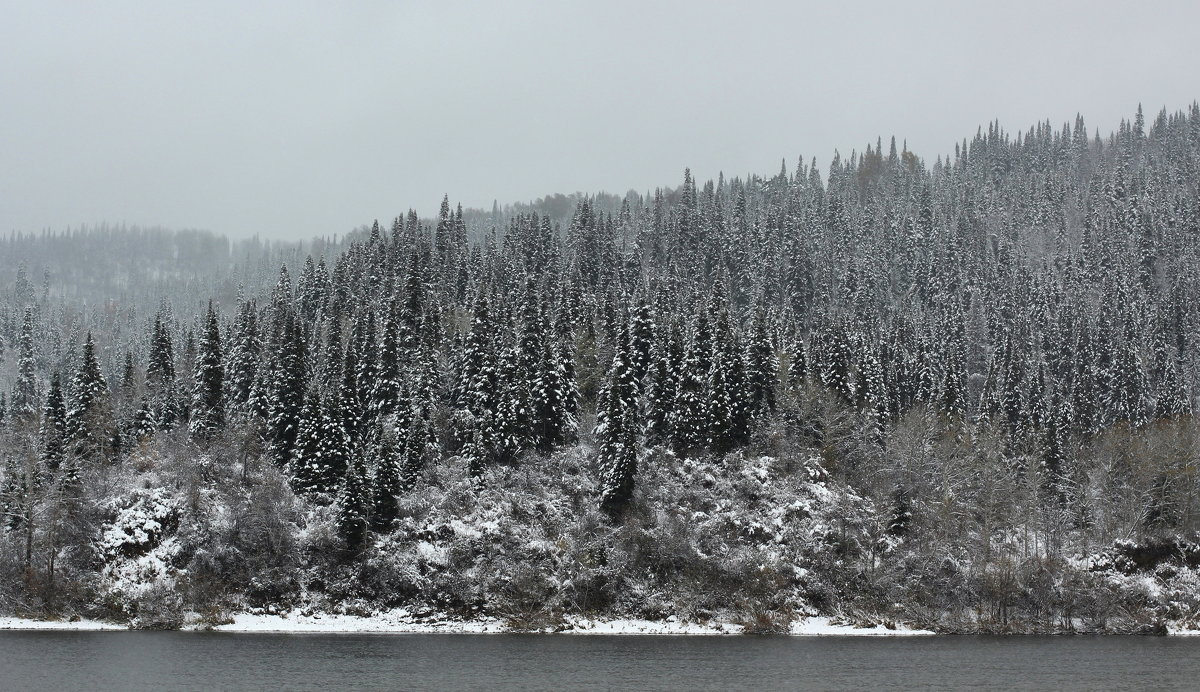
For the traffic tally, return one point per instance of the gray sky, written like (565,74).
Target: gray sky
(293,119)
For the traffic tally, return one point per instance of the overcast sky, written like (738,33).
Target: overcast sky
(294,119)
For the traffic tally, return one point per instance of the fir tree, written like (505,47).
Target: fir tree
(243,359)
(89,418)
(354,505)
(616,430)
(663,390)
(415,442)
(306,465)
(727,412)
(761,368)
(689,415)
(641,342)
(285,390)
(208,393)
(24,402)
(160,375)
(386,483)
(54,426)
(554,397)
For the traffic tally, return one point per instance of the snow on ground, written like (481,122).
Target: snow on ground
(7,623)
(394,622)
(824,627)
(402,622)
(399,622)
(669,626)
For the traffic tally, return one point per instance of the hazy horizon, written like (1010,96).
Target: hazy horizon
(294,120)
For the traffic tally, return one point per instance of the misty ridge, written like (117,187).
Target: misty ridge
(954,395)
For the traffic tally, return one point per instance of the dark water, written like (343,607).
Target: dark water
(195,661)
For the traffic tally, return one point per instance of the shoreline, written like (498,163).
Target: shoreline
(400,622)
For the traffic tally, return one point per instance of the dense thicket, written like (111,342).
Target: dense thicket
(991,361)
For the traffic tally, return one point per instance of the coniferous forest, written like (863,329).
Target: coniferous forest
(955,394)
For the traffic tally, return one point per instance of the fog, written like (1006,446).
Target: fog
(294,119)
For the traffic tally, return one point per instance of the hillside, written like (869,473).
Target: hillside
(957,395)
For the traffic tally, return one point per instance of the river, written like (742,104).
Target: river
(327,662)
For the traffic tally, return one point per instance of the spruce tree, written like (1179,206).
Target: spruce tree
(354,505)
(306,465)
(285,390)
(689,415)
(617,430)
(761,368)
(415,442)
(641,342)
(208,393)
(54,426)
(24,402)
(727,412)
(160,375)
(89,417)
(554,397)
(386,482)
(667,358)
(243,359)
(386,390)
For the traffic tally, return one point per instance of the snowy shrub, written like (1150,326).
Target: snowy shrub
(140,523)
(528,600)
(158,607)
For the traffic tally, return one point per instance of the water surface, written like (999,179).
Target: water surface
(202,661)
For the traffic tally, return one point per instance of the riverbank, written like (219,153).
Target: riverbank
(401,622)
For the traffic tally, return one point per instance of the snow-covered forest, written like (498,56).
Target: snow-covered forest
(956,394)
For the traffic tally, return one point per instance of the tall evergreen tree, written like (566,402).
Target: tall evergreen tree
(54,426)
(208,392)
(89,418)
(617,430)
(354,505)
(24,402)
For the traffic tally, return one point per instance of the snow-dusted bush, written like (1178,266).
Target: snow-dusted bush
(140,522)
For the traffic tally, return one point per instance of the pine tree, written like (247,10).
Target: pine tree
(354,505)
(306,466)
(727,413)
(285,390)
(511,419)
(663,389)
(641,342)
(798,370)
(89,417)
(386,483)
(386,391)
(689,416)
(415,442)
(208,393)
(366,343)
(160,375)
(349,411)
(54,426)
(478,388)
(243,359)
(555,397)
(837,364)
(23,405)
(617,428)
(761,368)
